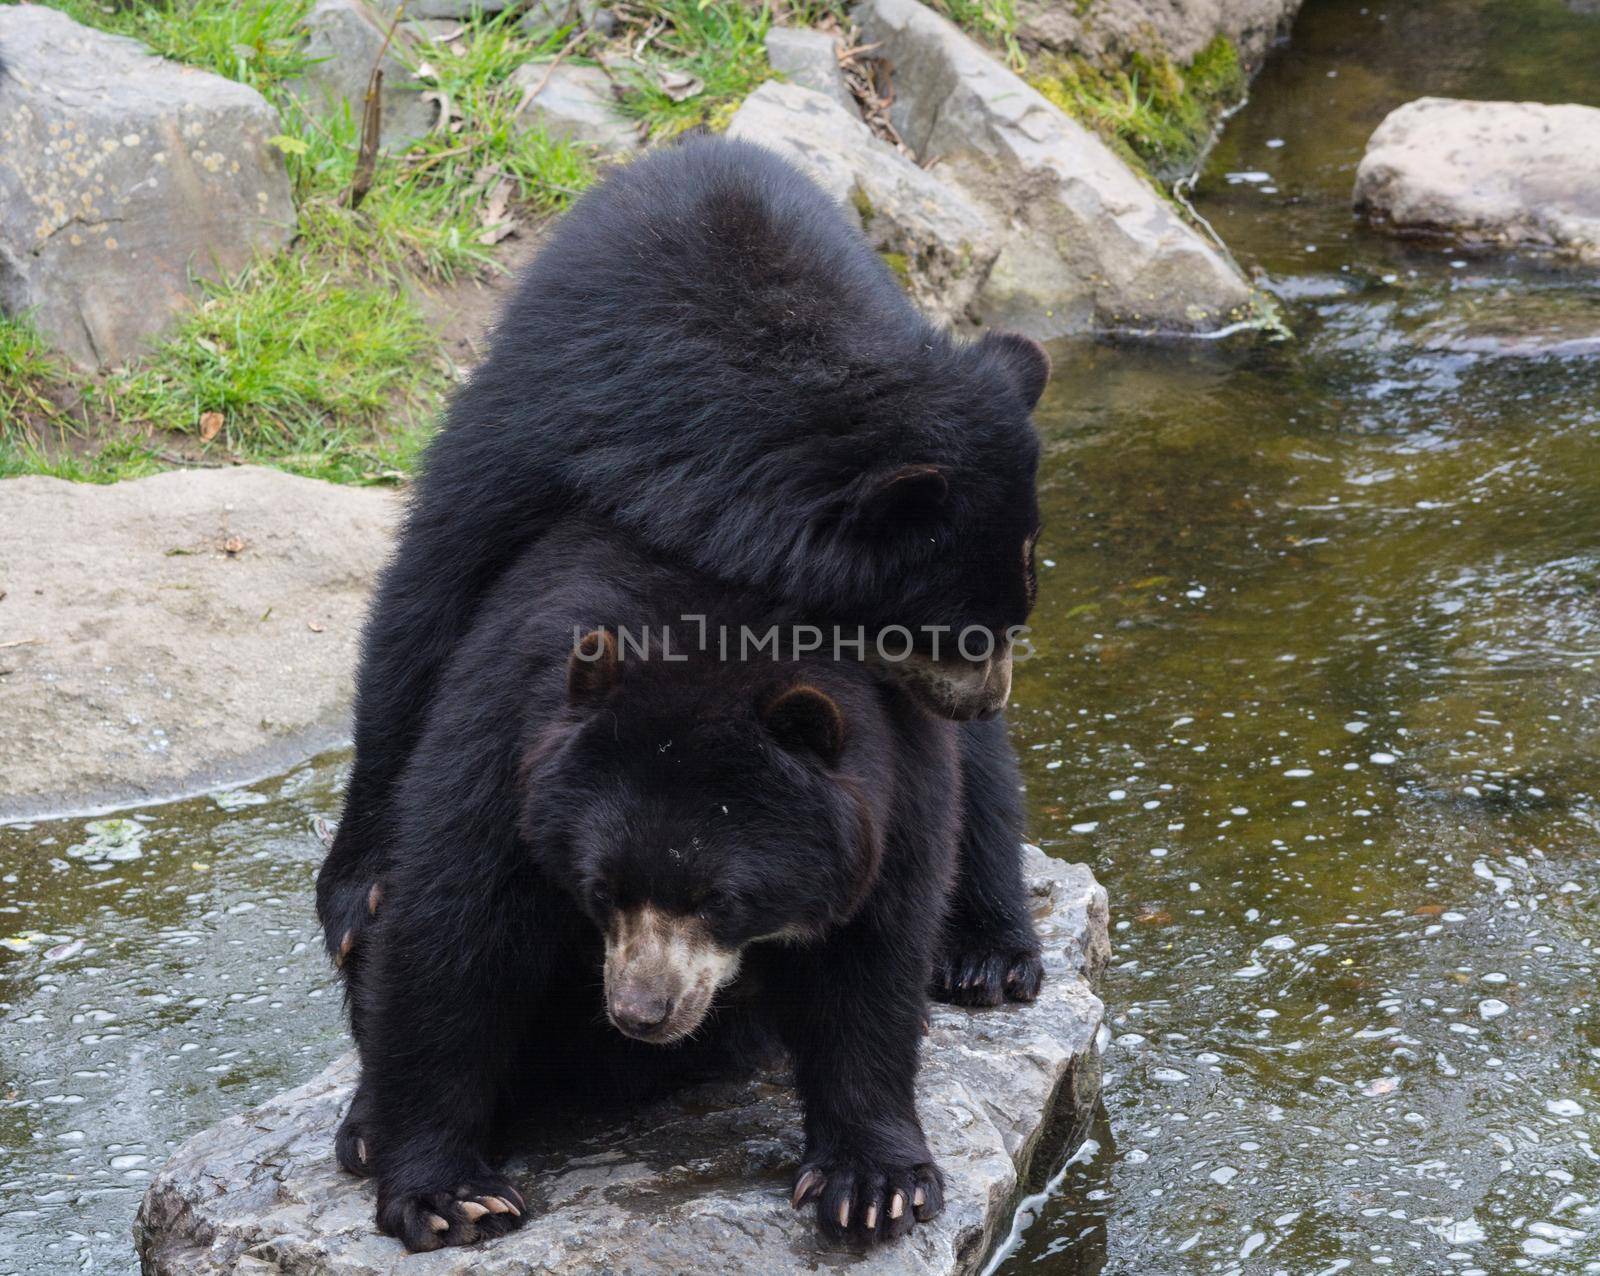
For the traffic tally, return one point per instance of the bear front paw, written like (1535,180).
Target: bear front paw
(476,1210)
(350,910)
(863,1201)
(979,973)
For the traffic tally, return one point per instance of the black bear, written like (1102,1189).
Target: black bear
(700,846)
(707,356)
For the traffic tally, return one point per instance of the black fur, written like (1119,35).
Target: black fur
(706,356)
(532,809)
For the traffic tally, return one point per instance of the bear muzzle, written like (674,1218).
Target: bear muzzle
(662,971)
(959,689)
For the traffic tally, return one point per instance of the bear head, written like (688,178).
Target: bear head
(691,810)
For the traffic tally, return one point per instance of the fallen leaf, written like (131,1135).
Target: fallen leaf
(233,545)
(1427,910)
(314,627)
(210,426)
(681,86)
(496,222)
(1153,916)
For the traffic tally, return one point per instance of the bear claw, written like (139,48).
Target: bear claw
(982,974)
(474,1211)
(806,1186)
(864,1202)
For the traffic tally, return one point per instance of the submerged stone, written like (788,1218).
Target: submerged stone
(698,1183)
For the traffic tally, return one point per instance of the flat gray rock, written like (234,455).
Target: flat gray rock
(174,632)
(1088,244)
(810,59)
(575,103)
(699,1184)
(122,175)
(343,40)
(1505,174)
(940,243)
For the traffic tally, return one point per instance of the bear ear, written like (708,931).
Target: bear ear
(902,494)
(1024,359)
(804,718)
(592,667)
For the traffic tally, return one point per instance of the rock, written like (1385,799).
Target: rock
(575,103)
(144,659)
(443,8)
(1111,30)
(123,175)
(1510,174)
(939,242)
(698,1184)
(542,17)
(1088,244)
(343,41)
(810,59)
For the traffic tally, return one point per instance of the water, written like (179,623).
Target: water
(1315,695)
(1317,700)
(159,970)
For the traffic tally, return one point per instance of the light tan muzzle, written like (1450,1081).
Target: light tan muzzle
(958,689)
(662,972)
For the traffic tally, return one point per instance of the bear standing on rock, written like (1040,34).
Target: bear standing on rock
(708,357)
(714,852)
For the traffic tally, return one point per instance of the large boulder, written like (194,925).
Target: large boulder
(1114,29)
(344,39)
(575,103)
(178,631)
(122,176)
(700,1184)
(1088,243)
(1493,173)
(940,243)
(809,58)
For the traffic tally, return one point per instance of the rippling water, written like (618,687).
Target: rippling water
(1317,700)
(1315,696)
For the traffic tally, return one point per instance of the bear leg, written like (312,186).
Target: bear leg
(990,953)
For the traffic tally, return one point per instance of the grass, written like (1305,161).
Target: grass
(993,21)
(720,43)
(1158,116)
(317,360)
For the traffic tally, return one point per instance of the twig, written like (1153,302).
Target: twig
(21,642)
(372,119)
(550,70)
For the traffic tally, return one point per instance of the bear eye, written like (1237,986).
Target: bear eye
(713,901)
(601,897)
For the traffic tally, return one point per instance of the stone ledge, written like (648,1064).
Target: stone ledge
(699,1183)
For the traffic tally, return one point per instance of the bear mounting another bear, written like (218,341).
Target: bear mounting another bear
(708,357)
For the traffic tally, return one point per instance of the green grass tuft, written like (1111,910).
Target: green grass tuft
(281,352)
(1156,115)
(992,21)
(720,42)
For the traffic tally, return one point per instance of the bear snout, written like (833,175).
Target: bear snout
(639,1010)
(661,972)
